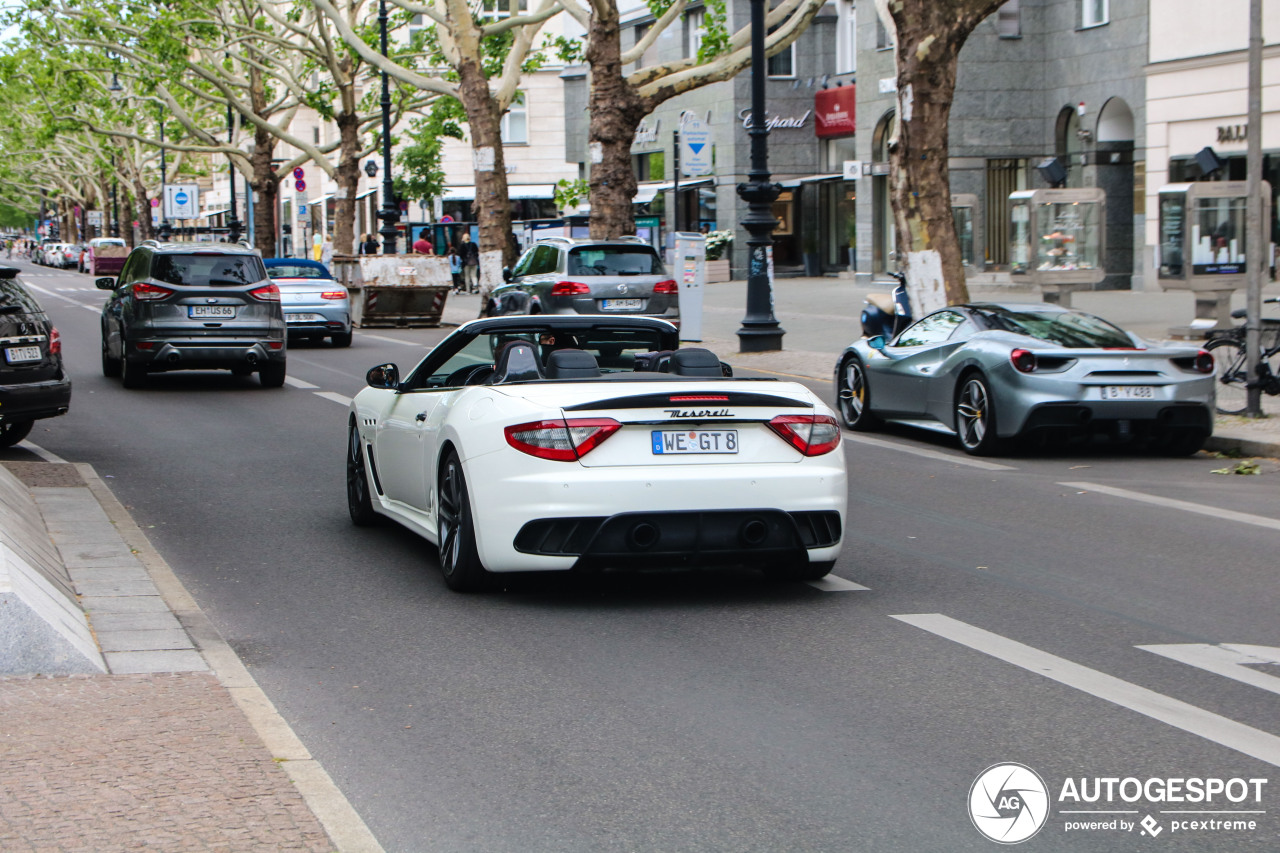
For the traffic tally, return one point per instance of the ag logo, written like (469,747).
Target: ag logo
(1008,803)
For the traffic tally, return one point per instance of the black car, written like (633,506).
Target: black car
(33,384)
(192,306)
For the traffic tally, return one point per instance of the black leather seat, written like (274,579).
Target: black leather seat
(572,364)
(695,361)
(517,362)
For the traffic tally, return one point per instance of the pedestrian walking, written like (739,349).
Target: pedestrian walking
(370,245)
(455,268)
(422,246)
(470,253)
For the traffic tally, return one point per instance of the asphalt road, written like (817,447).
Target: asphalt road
(986,611)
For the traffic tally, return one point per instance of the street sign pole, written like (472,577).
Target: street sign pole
(1255,262)
(675,208)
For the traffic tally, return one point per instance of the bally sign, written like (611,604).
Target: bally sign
(833,110)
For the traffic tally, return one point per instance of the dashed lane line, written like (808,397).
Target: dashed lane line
(298,383)
(334,396)
(832,583)
(390,340)
(1255,743)
(929,454)
(1174,503)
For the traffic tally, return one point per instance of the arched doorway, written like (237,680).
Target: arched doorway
(1116,175)
(1069,145)
(883,237)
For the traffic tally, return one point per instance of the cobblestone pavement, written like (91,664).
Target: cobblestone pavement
(163,762)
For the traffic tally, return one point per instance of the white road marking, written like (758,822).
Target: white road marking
(1229,659)
(1213,727)
(46,455)
(831,583)
(1173,503)
(390,340)
(334,396)
(55,295)
(929,454)
(298,383)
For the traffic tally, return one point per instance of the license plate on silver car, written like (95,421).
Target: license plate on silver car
(621,304)
(1128,392)
(207,312)
(14,355)
(302,318)
(694,441)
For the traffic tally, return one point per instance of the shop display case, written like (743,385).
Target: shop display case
(1056,237)
(963,210)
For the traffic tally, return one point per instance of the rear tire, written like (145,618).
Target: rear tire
(110,366)
(342,339)
(359,499)
(272,374)
(11,432)
(976,417)
(132,374)
(459,560)
(853,396)
(1231,372)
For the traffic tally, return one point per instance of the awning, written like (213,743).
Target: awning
(210,213)
(645,193)
(513,191)
(365,194)
(812,179)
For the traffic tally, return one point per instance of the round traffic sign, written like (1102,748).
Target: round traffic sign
(446,218)
(181,197)
(300,186)
(299,174)
(155,202)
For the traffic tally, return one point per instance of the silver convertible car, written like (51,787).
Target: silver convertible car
(992,372)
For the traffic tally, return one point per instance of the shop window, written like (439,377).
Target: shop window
(784,211)
(1009,20)
(515,122)
(650,167)
(1094,13)
(695,23)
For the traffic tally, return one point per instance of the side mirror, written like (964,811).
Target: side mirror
(726,370)
(506,274)
(105,283)
(385,376)
(878,343)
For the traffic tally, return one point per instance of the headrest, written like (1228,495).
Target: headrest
(517,362)
(695,362)
(572,364)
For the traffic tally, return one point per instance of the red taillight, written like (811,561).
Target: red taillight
(150,292)
(1204,362)
(266,293)
(699,398)
(562,440)
(55,341)
(1024,361)
(812,435)
(334,294)
(668,287)
(569,288)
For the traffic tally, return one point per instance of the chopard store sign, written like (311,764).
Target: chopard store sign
(776,122)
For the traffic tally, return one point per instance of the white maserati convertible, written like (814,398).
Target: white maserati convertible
(540,443)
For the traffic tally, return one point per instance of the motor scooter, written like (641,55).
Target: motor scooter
(887,313)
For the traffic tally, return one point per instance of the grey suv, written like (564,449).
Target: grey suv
(192,306)
(563,276)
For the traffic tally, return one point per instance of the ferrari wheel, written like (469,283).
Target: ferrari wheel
(976,417)
(853,396)
(459,560)
(359,503)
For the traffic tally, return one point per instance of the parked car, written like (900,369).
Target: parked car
(106,256)
(560,443)
(33,383)
(70,255)
(991,372)
(315,305)
(565,276)
(184,306)
(49,254)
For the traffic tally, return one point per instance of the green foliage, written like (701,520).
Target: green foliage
(569,51)
(421,177)
(12,217)
(718,243)
(715,38)
(568,193)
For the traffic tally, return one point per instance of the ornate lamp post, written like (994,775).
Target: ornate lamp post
(760,331)
(390,212)
(165,228)
(233,224)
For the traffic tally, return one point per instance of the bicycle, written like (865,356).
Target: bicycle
(1229,363)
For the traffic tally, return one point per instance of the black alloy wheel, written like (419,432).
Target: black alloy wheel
(976,417)
(854,397)
(359,501)
(459,560)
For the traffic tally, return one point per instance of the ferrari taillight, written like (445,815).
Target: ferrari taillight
(1203,362)
(1024,361)
(569,288)
(55,341)
(812,435)
(564,440)
(150,292)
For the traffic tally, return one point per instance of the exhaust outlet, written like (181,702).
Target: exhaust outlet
(643,536)
(252,358)
(173,358)
(753,532)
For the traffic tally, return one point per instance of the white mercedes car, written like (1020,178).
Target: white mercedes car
(593,443)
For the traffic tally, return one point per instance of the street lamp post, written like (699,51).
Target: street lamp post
(165,228)
(233,224)
(760,331)
(390,213)
(115,207)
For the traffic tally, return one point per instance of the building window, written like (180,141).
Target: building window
(650,56)
(495,9)
(1009,21)
(515,122)
(417,24)
(650,167)
(847,38)
(883,40)
(783,64)
(695,27)
(1094,13)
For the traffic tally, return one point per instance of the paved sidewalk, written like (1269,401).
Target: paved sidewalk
(175,748)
